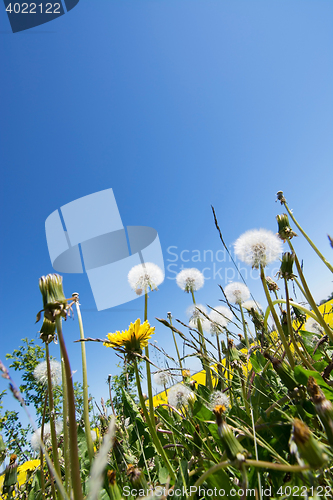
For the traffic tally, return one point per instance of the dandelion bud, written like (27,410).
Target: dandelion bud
(47,332)
(10,479)
(233,352)
(111,475)
(54,301)
(286,268)
(323,407)
(300,315)
(234,449)
(272,286)
(308,447)
(285,232)
(136,476)
(284,371)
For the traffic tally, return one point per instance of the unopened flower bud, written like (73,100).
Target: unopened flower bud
(54,301)
(323,407)
(280,197)
(272,286)
(285,232)
(286,268)
(309,448)
(284,371)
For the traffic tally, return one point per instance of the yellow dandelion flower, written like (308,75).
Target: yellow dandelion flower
(131,340)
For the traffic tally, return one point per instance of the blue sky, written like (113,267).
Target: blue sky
(177,105)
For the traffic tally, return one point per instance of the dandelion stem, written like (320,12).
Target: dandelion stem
(65,423)
(206,367)
(309,297)
(74,454)
(244,327)
(291,331)
(276,319)
(308,239)
(87,429)
(51,407)
(175,341)
(151,423)
(42,478)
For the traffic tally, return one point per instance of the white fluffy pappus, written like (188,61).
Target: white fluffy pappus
(312,326)
(179,395)
(258,247)
(220,318)
(218,398)
(251,304)
(144,276)
(237,293)
(35,438)
(190,279)
(162,378)
(40,372)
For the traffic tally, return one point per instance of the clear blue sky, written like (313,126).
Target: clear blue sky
(176,105)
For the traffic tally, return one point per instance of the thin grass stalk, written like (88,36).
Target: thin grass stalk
(219,366)
(308,239)
(74,452)
(52,415)
(276,319)
(87,429)
(151,424)
(309,297)
(41,454)
(175,342)
(209,382)
(110,394)
(244,327)
(291,331)
(66,435)
(149,384)
(256,449)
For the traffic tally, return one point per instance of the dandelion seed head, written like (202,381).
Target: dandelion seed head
(144,276)
(218,398)
(190,279)
(251,304)
(220,318)
(40,372)
(162,377)
(35,438)
(258,247)
(179,396)
(237,293)
(313,326)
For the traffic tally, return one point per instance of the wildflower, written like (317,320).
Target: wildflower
(220,318)
(313,326)
(285,231)
(237,292)
(40,372)
(190,280)
(162,377)
(144,276)
(309,448)
(179,395)
(132,340)
(218,398)
(36,437)
(258,247)
(233,447)
(251,304)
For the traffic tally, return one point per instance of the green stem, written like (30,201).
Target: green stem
(66,436)
(151,424)
(42,478)
(87,429)
(276,319)
(244,327)
(174,339)
(320,255)
(74,452)
(291,331)
(310,299)
(209,381)
(51,407)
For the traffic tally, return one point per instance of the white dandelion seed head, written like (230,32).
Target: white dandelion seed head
(237,293)
(258,247)
(162,377)
(218,398)
(93,435)
(190,279)
(251,304)
(313,326)
(220,318)
(179,395)
(35,438)
(40,372)
(144,276)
